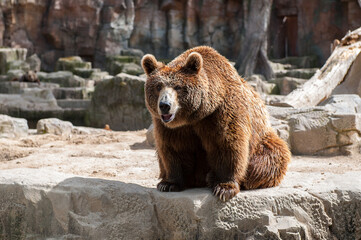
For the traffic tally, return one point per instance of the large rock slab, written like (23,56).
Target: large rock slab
(63,78)
(343,103)
(128,64)
(16,87)
(13,127)
(31,99)
(34,62)
(73,93)
(54,126)
(311,133)
(71,63)
(58,205)
(18,64)
(8,55)
(258,82)
(119,102)
(331,129)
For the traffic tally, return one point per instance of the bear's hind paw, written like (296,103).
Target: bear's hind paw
(226,191)
(168,187)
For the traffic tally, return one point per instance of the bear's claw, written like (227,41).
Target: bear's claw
(226,191)
(168,187)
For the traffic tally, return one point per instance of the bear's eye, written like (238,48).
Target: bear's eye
(177,88)
(159,87)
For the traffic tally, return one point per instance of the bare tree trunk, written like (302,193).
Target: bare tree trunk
(321,85)
(253,56)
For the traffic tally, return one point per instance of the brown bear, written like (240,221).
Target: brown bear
(29,76)
(210,127)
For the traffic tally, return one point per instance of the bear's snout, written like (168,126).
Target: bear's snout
(164,107)
(167,104)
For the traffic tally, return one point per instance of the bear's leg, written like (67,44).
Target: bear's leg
(171,172)
(268,163)
(228,170)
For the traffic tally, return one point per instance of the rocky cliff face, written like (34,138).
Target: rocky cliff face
(166,28)
(53,28)
(96,28)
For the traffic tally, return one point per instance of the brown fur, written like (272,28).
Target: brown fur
(220,136)
(29,76)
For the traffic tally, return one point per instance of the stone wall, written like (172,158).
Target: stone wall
(317,24)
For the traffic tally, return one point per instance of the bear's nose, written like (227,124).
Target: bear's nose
(164,107)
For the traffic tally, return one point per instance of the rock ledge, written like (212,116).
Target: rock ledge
(38,203)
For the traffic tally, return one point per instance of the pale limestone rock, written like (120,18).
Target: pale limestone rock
(53,204)
(54,126)
(331,129)
(11,127)
(34,62)
(119,102)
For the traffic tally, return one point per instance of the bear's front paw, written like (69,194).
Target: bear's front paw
(168,187)
(226,191)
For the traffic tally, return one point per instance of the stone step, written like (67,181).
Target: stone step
(63,78)
(18,87)
(84,72)
(300,62)
(304,73)
(73,93)
(74,103)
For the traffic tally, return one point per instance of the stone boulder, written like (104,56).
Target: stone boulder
(54,126)
(33,104)
(34,62)
(312,133)
(331,129)
(11,127)
(71,63)
(32,99)
(258,82)
(14,74)
(99,76)
(119,102)
(8,55)
(343,103)
(65,206)
(132,69)
(85,72)
(18,65)
(127,64)
(288,84)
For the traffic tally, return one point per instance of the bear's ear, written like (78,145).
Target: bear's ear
(194,63)
(149,63)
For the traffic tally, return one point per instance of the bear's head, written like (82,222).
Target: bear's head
(174,93)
